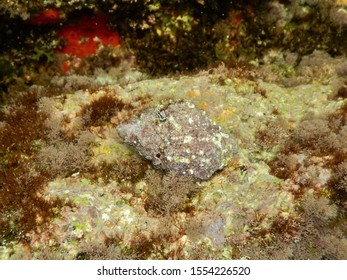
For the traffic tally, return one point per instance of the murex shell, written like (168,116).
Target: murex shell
(176,136)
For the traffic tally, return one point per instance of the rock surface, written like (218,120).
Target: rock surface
(176,136)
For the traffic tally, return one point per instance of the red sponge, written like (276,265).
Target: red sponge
(82,38)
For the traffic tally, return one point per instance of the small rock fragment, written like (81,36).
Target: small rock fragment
(176,136)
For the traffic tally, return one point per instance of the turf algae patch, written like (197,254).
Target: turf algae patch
(22,206)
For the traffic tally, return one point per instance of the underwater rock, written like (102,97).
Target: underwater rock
(176,136)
